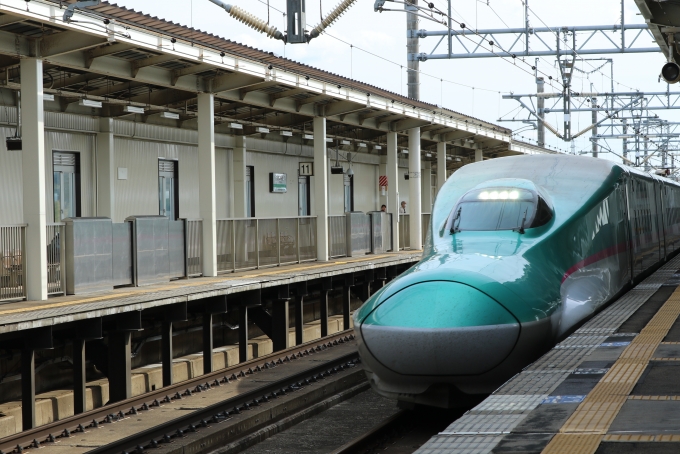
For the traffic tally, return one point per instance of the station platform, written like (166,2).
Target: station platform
(23,315)
(610,387)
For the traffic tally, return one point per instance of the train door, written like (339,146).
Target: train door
(628,194)
(168,189)
(66,179)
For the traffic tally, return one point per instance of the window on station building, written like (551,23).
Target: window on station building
(348,187)
(250,191)
(304,205)
(66,185)
(168,189)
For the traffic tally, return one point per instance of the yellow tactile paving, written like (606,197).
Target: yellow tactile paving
(588,425)
(573,443)
(665,359)
(653,397)
(642,438)
(670,343)
(184,284)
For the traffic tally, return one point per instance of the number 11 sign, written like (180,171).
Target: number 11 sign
(306,169)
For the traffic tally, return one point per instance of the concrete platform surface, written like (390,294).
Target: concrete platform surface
(610,387)
(15,316)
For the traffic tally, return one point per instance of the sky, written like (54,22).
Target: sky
(371,47)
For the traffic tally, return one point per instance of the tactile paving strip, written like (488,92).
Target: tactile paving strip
(543,377)
(596,413)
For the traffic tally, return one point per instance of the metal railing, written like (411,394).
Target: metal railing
(337,236)
(12,242)
(56,269)
(193,233)
(404,231)
(262,242)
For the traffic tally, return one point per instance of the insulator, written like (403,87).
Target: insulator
(250,20)
(332,17)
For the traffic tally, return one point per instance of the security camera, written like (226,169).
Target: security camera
(671,72)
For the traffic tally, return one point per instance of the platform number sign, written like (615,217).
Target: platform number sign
(306,169)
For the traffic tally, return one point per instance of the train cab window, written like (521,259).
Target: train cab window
(499,209)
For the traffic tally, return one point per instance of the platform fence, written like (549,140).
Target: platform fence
(404,232)
(193,231)
(264,242)
(12,245)
(56,268)
(337,236)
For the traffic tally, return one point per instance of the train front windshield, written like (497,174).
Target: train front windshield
(498,209)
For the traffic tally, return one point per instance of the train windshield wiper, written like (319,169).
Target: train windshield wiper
(521,227)
(456,228)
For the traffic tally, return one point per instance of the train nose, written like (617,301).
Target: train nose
(439,328)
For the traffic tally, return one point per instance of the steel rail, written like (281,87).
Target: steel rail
(63,428)
(364,440)
(219,412)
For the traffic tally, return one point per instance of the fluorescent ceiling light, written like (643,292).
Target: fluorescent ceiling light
(344,142)
(377,147)
(361,145)
(170,115)
(48,97)
(308,137)
(286,133)
(428,155)
(405,151)
(134,109)
(262,130)
(329,140)
(235,125)
(90,103)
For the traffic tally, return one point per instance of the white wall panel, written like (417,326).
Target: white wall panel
(275,204)
(365,188)
(11,197)
(223,189)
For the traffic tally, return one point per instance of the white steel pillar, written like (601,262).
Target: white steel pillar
(415,196)
(441,165)
(393,187)
(206,181)
(479,156)
(426,185)
(321,188)
(106,200)
(33,173)
(239,154)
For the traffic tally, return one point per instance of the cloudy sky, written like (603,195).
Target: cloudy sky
(371,47)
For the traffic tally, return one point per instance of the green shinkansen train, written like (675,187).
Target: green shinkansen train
(519,252)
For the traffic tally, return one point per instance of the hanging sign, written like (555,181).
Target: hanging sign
(306,169)
(277,182)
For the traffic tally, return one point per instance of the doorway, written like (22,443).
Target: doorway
(66,178)
(304,208)
(168,189)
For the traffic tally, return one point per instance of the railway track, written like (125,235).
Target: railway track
(175,431)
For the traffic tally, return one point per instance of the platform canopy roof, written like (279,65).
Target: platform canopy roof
(663,17)
(122,57)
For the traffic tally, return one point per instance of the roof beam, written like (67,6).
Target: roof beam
(285,94)
(103,51)
(163,97)
(67,42)
(74,80)
(251,114)
(311,100)
(8,19)
(366,116)
(194,69)
(107,90)
(150,61)
(261,86)
(410,123)
(343,108)
(233,81)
